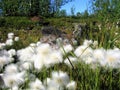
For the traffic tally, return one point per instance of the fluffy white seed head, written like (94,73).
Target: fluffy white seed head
(83,51)
(61,78)
(87,42)
(37,85)
(26,54)
(73,61)
(10,35)
(44,49)
(39,62)
(16,39)
(2,45)
(9,42)
(113,58)
(12,52)
(66,48)
(14,79)
(26,66)
(10,69)
(54,58)
(71,85)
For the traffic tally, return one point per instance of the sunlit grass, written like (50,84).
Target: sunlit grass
(87,78)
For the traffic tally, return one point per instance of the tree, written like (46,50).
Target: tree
(9,7)
(78,14)
(63,13)
(106,9)
(24,7)
(73,11)
(31,7)
(44,8)
(85,14)
(56,5)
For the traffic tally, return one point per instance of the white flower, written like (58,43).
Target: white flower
(71,85)
(54,57)
(113,58)
(38,43)
(10,69)
(26,66)
(12,52)
(37,85)
(9,42)
(44,49)
(89,60)
(38,62)
(16,39)
(60,78)
(2,45)
(79,50)
(87,42)
(72,59)
(26,54)
(52,85)
(15,87)
(99,56)
(95,44)
(10,35)
(12,80)
(66,48)
(4,60)
(83,51)
(32,45)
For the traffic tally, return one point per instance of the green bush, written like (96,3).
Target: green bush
(16,22)
(2,21)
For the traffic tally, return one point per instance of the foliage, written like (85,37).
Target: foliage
(106,9)
(16,22)
(73,11)
(87,77)
(31,7)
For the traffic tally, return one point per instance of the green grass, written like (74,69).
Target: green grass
(87,78)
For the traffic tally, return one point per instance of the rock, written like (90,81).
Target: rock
(81,30)
(50,30)
(77,31)
(48,39)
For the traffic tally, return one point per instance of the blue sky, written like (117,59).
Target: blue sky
(79,5)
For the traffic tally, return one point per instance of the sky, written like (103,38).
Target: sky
(79,5)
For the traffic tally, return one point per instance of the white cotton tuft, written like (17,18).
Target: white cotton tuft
(9,42)
(16,39)
(10,35)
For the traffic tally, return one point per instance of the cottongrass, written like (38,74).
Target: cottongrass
(2,45)
(10,35)
(12,52)
(59,81)
(9,42)
(12,80)
(11,69)
(66,48)
(36,85)
(5,58)
(16,39)
(71,85)
(28,70)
